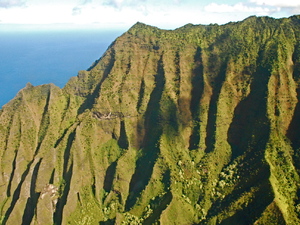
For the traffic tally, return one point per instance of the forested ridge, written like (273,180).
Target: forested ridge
(197,125)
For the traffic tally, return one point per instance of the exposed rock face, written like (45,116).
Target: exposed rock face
(199,125)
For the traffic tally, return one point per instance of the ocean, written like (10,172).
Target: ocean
(42,57)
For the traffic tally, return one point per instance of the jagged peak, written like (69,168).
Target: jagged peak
(139,26)
(295,17)
(248,20)
(29,85)
(264,19)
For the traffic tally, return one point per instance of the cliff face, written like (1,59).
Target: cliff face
(199,125)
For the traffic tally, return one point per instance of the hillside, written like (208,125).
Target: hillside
(198,125)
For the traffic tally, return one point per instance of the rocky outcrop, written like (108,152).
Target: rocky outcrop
(198,125)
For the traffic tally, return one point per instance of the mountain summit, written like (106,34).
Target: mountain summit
(198,125)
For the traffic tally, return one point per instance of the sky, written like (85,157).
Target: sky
(166,14)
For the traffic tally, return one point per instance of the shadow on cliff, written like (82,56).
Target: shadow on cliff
(150,143)
(217,84)
(248,135)
(109,176)
(293,132)
(91,98)
(17,192)
(66,181)
(250,127)
(33,199)
(196,94)
(160,203)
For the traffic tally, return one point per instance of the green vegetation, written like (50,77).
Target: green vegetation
(199,125)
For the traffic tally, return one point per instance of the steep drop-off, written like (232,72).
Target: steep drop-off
(199,125)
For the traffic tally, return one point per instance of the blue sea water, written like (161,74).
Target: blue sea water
(41,57)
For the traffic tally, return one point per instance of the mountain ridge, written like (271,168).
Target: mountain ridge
(192,126)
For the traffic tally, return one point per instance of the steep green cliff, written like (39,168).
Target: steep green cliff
(199,125)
